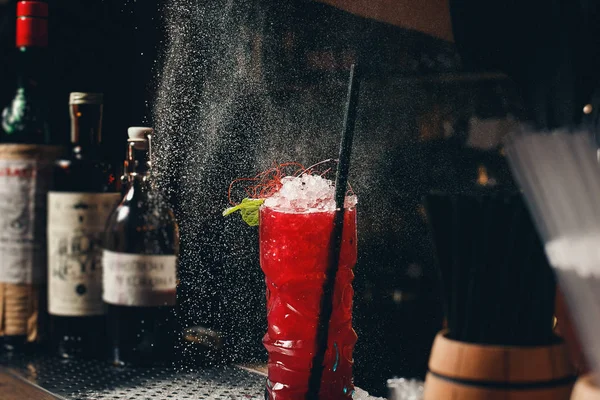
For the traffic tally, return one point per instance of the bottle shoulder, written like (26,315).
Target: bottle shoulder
(136,226)
(136,236)
(24,119)
(138,212)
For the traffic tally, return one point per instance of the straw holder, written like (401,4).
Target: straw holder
(464,371)
(499,293)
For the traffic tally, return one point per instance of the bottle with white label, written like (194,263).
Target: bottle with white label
(139,262)
(26,157)
(83,197)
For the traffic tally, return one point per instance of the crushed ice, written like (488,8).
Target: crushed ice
(360,394)
(405,389)
(306,193)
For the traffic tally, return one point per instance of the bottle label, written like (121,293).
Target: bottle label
(75,228)
(139,279)
(23,190)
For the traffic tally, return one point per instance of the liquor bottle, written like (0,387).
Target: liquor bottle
(24,120)
(139,262)
(25,175)
(83,196)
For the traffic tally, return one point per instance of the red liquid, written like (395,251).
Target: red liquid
(293,256)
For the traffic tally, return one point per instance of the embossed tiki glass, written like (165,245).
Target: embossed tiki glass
(293,255)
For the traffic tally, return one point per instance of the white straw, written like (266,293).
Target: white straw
(560,178)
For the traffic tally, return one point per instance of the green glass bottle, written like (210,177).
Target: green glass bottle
(25,120)
(26,159)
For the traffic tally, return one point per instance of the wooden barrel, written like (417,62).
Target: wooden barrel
(586,388)
(467,371)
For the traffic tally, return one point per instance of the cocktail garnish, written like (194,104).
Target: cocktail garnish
(264,185)
(267,184)
(249,210)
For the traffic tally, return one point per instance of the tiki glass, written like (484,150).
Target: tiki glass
(294,255)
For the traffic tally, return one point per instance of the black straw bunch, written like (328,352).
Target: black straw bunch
(498,286)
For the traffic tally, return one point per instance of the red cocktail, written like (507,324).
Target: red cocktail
(294,250)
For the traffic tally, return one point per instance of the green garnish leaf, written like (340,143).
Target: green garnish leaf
(249,210)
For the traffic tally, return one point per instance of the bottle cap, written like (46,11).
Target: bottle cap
(139,132)
(138,135)
(32,24)
(32,9)
(85,98)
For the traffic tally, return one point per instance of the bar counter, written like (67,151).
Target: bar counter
(46,378)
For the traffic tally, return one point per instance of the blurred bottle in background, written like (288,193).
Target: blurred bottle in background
(139,263)
(25,175)
(84,195)
(25,119)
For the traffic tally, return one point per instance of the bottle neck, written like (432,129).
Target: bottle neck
(140,182)
(86,124)
(32,62)
(137,188)
(136,166)
(141,186)
(32,45)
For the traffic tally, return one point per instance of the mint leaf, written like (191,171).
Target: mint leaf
(249,210)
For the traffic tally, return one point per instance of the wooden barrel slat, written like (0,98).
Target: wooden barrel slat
(467,371)
(498,363)
(441,389)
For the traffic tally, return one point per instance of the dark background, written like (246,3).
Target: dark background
(105,46)
(427,121)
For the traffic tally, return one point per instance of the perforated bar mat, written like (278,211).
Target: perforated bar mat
(94,380)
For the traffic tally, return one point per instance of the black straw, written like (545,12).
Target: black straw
(341,181)
(498,287)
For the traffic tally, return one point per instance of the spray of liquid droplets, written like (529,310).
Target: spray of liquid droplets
(231,102)
(204,139)
(217,118)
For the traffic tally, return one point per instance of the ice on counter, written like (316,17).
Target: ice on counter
(360,394)
(306,193)
(405,389)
